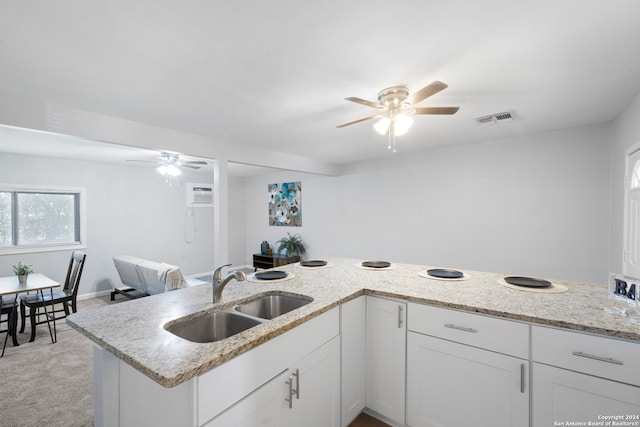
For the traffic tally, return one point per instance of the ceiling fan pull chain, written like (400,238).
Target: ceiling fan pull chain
(392,134)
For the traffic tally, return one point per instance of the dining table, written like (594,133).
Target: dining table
(36,282)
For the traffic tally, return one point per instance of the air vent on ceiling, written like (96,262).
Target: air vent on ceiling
(492,119)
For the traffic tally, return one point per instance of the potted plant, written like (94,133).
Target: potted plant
(22,271)
(291,245)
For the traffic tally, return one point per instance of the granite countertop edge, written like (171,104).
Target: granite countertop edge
(170,361)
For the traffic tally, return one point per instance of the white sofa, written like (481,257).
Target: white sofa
(142,277)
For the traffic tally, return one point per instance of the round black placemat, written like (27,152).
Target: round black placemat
(271,275)
(444,273)
(313,263)
(527,282)
(376,264)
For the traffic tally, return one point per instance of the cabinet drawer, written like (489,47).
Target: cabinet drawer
(595,355)
(500,335)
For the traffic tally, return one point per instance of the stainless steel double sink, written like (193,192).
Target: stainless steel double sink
(219,325)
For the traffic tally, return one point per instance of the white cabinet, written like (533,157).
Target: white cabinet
(353,354)
(456,377)
(560,395)
(316,399)
(583,378)
(306,394)
(248,372)
(451,384)
(461,369)
(119,389)
(385,357)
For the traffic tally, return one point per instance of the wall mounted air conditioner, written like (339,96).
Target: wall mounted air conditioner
(199,195)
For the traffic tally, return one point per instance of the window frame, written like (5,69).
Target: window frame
(50,247)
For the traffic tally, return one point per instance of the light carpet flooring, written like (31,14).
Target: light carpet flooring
(46,384)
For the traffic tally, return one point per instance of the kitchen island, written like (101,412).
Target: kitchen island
(133,331)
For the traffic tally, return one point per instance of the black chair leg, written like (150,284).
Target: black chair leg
(13,327)
(22,316)
(32,316)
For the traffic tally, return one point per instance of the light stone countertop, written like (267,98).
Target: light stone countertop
(133,330)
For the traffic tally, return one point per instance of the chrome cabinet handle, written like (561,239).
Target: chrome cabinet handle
(289,399)
(293,392)
(400,308)
(522,369)
(460,328)
(297,391)
(600,358)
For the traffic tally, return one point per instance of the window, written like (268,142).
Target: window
(631,254)
(36,219)
(635,175)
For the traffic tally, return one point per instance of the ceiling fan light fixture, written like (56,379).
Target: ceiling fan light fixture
(395,108)
(402,124)
(382,126)
(173,170)
(170,170)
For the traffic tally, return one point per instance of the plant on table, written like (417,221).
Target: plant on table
(22,271)
(293,245)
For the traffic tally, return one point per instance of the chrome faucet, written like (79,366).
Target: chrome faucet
(219,283)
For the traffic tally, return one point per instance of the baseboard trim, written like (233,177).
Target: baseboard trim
(95,294)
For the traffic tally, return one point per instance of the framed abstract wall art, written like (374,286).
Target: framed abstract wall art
(285,204)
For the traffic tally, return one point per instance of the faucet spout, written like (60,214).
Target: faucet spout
(219,283)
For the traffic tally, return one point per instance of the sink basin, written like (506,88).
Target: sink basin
(213,327)
(270,306)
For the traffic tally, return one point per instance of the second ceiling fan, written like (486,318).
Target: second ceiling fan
(170,163)
(395,107)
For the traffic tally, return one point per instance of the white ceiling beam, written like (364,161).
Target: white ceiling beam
(39,115)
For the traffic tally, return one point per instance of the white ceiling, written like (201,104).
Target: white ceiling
(274,74)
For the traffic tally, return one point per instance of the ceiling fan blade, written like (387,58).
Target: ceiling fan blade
(189,166)
(145,161)
(194,162)
(427,91)
(360,120)
(364,102)
(436,110)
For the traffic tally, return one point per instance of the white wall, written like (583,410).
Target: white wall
(536,205)
(237,222)
(130,210)
(626,134)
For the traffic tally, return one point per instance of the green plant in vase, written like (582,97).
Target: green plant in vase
(22,271)
(291,245)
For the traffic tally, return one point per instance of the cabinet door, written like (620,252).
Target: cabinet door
(317,399)
(560,395)
(263,407)
(452,384)
(385,362)
(143,402)
(352,353)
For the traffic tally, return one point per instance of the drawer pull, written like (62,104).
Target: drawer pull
(297,375)
(522,370)
(292,392)
(400,316)
(460,328)
(601,359)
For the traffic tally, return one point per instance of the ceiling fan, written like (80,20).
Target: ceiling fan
(395,107)
(169,164)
